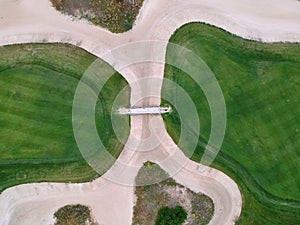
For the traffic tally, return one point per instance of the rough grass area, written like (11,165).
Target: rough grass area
(151,198)
(37,85)
(261,84)
(116,15)
(74,215)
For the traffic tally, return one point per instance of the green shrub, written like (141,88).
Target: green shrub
(74,215)
(171,216)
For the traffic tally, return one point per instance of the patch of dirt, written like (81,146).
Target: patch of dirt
(74,215)
(115,15)
(151,198)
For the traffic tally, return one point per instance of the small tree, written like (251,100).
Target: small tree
(127,25)
(171,216)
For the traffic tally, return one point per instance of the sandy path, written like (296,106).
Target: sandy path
(35,204)
(23,21)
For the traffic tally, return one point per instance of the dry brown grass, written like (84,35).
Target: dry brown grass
(151,198)
(116,15)
(58,4)
(74,215)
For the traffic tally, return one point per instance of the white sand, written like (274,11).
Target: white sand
(23,21)
(36,203)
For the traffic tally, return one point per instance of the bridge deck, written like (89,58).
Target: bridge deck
(144,111)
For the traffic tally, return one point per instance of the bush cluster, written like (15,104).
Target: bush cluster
(73,215)
(171,216)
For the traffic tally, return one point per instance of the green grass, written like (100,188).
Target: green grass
(37,85)
(260,83)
